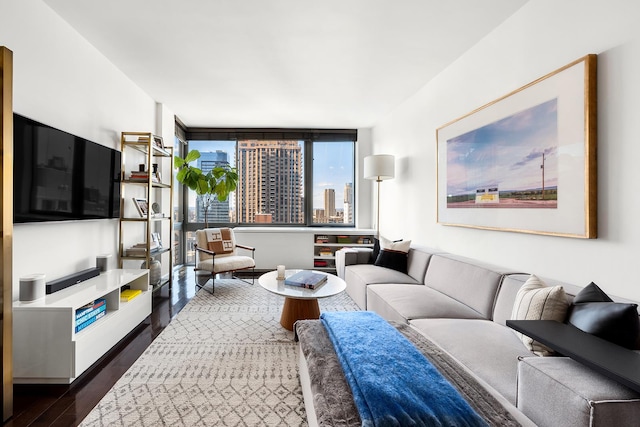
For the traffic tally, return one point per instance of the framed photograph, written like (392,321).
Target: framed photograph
(142,206)
(525,162)
(157,141)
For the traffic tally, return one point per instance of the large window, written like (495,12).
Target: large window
(285,177)
(333,180)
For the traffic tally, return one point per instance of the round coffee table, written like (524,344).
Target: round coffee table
(300,303)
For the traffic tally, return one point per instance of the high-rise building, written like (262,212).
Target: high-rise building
(348,203)
(270,181)
(261,218)
(218,211)
(319,216)
(329,202)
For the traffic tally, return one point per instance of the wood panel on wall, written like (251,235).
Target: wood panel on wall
(6,232)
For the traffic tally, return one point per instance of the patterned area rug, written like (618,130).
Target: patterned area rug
(224,360)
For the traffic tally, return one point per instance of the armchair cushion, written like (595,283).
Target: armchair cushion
(226,242)
(228,263)
(220,240)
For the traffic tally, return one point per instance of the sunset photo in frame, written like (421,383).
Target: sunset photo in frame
(525,162)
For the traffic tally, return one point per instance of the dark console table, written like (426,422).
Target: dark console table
(611,360)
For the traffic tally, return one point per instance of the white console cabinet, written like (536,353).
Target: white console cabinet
(46,348)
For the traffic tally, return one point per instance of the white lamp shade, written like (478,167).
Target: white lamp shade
(379,167)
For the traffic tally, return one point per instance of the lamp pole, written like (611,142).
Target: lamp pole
(379,167)
(378,180)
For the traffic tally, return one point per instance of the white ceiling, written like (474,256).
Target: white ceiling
(282,63)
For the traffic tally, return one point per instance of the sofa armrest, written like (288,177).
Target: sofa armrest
(558,391)
(351,256)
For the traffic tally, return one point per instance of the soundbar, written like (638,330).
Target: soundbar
(72,279)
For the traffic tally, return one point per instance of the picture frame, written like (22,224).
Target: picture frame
(141,206)
(525,162)
(157,141)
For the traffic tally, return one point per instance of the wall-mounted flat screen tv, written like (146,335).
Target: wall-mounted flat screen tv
(62,177)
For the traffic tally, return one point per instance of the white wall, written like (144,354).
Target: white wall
(540,38)
(364,188)
(63,81)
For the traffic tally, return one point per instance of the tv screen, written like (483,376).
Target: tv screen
(60,177)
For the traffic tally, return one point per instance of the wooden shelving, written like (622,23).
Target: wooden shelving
(147,175)
(326,244)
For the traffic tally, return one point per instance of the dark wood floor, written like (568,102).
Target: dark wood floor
(68,405)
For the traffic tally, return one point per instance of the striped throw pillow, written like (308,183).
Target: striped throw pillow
(537,301)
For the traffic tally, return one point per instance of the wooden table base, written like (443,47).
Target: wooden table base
(298,309)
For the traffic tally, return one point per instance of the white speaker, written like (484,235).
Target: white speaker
(32,287)
(102,262)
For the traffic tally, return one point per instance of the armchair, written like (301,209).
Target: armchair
(217,252)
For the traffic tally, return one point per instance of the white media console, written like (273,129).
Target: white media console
(46,348)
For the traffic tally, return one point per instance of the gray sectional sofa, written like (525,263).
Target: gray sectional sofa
(462,305)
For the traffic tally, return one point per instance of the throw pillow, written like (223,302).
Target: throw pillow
(537,301)
(394,255)
(396,245)
(591,293)
(393,259)
(376,249)
(594,312)
(612,321)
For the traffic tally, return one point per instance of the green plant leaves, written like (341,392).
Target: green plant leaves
(219,181)
(191,156)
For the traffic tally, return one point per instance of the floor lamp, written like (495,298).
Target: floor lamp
(379,167)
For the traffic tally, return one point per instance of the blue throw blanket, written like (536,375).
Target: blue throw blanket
(393,384)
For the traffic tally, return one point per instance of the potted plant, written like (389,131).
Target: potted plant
(214,185)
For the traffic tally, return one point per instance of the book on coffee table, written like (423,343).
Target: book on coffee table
(306,279)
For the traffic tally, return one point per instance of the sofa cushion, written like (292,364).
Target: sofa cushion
(419,259)
(402,303)
(358,277)
(509,288)
(558,391)
(537,301)
(488,349)
(468,281)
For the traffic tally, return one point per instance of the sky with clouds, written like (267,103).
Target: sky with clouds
(507,153)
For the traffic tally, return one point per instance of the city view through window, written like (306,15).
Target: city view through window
(271,185)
